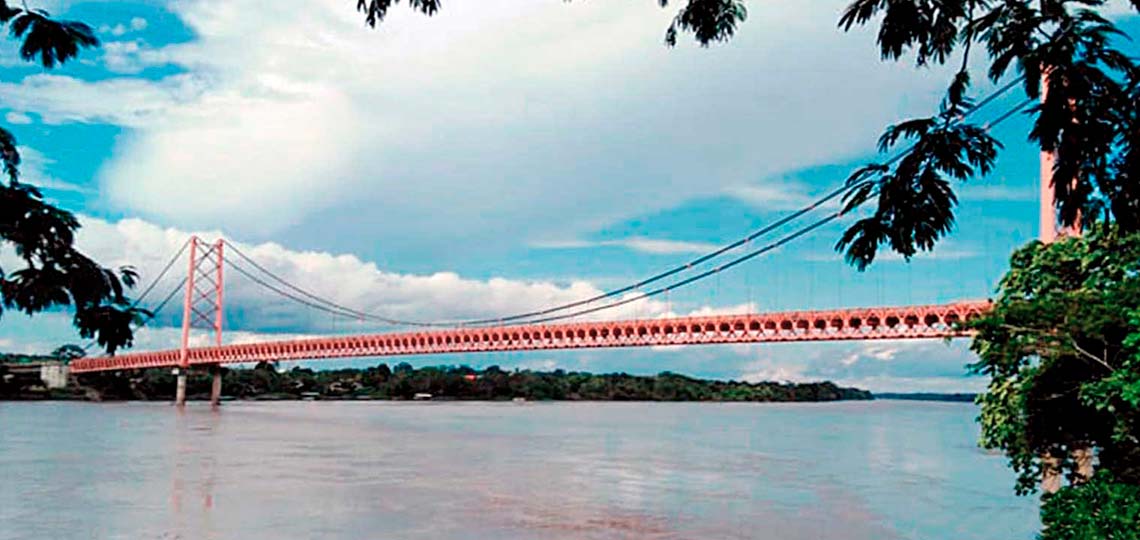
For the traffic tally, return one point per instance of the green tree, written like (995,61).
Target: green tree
(1100,508)
(52,273)
(1089,118)
(69,352)
(706,20)
(1062,350)
(1061,345)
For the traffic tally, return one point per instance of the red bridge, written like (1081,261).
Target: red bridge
(202,308)
(909,322)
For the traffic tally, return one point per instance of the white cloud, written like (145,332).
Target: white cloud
(709,311)
(33,170)
(653,246)
(541,364)
(945,250)
(774,372)
(16,117)
(780,195)
(944,385)
(879,366)
(116,30)
(470,117)
(124,56)
(46,331)
(1118,8)
(345,279)
(60,99)
(136,24)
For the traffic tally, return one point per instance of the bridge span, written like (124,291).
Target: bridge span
(902,322)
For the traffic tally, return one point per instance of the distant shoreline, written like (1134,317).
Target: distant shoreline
(963,397)
(437,383)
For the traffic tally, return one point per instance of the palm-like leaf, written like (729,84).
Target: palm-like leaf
(930,27)
(9,155)
(375,10)
(915,199)
(707,20)
(8,12)
(53,42)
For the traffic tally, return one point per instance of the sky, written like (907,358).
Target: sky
(498,157)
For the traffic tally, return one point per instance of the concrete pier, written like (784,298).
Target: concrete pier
(180,389)
(216,385)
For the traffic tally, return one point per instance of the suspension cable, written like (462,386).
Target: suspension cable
(315,305)
(149,288)
(753,254)
(530,316)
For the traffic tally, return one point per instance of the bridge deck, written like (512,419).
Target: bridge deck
(905,322)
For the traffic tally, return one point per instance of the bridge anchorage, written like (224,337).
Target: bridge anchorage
(203,311)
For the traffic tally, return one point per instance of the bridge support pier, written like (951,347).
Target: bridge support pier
(180,388)
(216,385)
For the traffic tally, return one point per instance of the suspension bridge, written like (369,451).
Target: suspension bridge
(554,327)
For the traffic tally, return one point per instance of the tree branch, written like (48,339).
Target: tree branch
(1091,356)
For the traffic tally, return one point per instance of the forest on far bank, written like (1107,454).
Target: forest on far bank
(266,381)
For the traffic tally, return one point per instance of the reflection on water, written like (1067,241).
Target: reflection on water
(878,470)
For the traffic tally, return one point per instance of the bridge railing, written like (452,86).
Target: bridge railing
(876,323)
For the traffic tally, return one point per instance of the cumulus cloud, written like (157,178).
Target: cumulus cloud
(469,117)
(61,99)
(253,314)
(136,24)
(129,56)
(883,366)
(33,170)
(16,117)
(344,279)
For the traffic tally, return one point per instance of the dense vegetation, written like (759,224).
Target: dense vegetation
(51,272)
(1062,346)
(929,396)
(450,382)
(1062,350)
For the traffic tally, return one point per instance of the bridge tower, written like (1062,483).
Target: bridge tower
(1050,231)
(202,310)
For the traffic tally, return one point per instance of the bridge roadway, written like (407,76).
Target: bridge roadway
(905,322)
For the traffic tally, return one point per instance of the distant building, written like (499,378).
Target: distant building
(54,374)
(422,396)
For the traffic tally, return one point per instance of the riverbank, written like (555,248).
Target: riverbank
(403,382)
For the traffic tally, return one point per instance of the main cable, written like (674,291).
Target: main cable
(286,294)
(149,288)
(753,254)
(338,309)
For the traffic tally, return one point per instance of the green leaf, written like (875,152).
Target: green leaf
(53,42)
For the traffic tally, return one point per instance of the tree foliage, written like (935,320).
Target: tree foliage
(1102,508)
(52,273)
(1088,117)
(1062,350)
(459,382)
(707,20)
(68,352)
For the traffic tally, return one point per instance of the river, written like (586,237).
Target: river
(444,470)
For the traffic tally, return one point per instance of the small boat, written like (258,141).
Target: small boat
(422,396)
